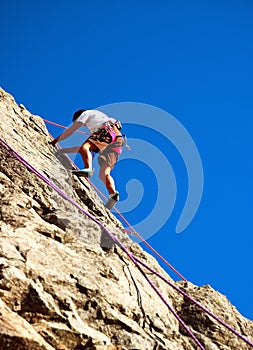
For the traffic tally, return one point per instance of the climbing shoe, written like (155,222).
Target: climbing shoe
(113,198)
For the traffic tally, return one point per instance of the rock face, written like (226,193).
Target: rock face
(61,288)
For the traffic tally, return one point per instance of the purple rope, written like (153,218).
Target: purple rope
(116,240)
(194,302)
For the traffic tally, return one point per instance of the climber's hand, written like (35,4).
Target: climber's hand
(52,142)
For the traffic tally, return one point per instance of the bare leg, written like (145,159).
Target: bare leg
(105,176)
(85,151)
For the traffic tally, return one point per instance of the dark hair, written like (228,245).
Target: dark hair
(77,114)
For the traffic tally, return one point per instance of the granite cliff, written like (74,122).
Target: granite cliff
(61,288)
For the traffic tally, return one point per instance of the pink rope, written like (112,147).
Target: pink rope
(63,127)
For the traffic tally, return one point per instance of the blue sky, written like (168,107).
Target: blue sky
(192,59)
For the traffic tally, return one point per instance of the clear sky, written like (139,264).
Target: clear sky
(191,58)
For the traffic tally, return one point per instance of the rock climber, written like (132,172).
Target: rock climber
(105,139)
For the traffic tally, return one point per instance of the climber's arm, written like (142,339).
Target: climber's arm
(67,133)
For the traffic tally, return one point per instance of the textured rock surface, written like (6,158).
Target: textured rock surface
(59,289)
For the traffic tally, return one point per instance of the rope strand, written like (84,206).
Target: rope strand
(63,127)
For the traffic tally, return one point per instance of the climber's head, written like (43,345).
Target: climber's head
(77,114)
